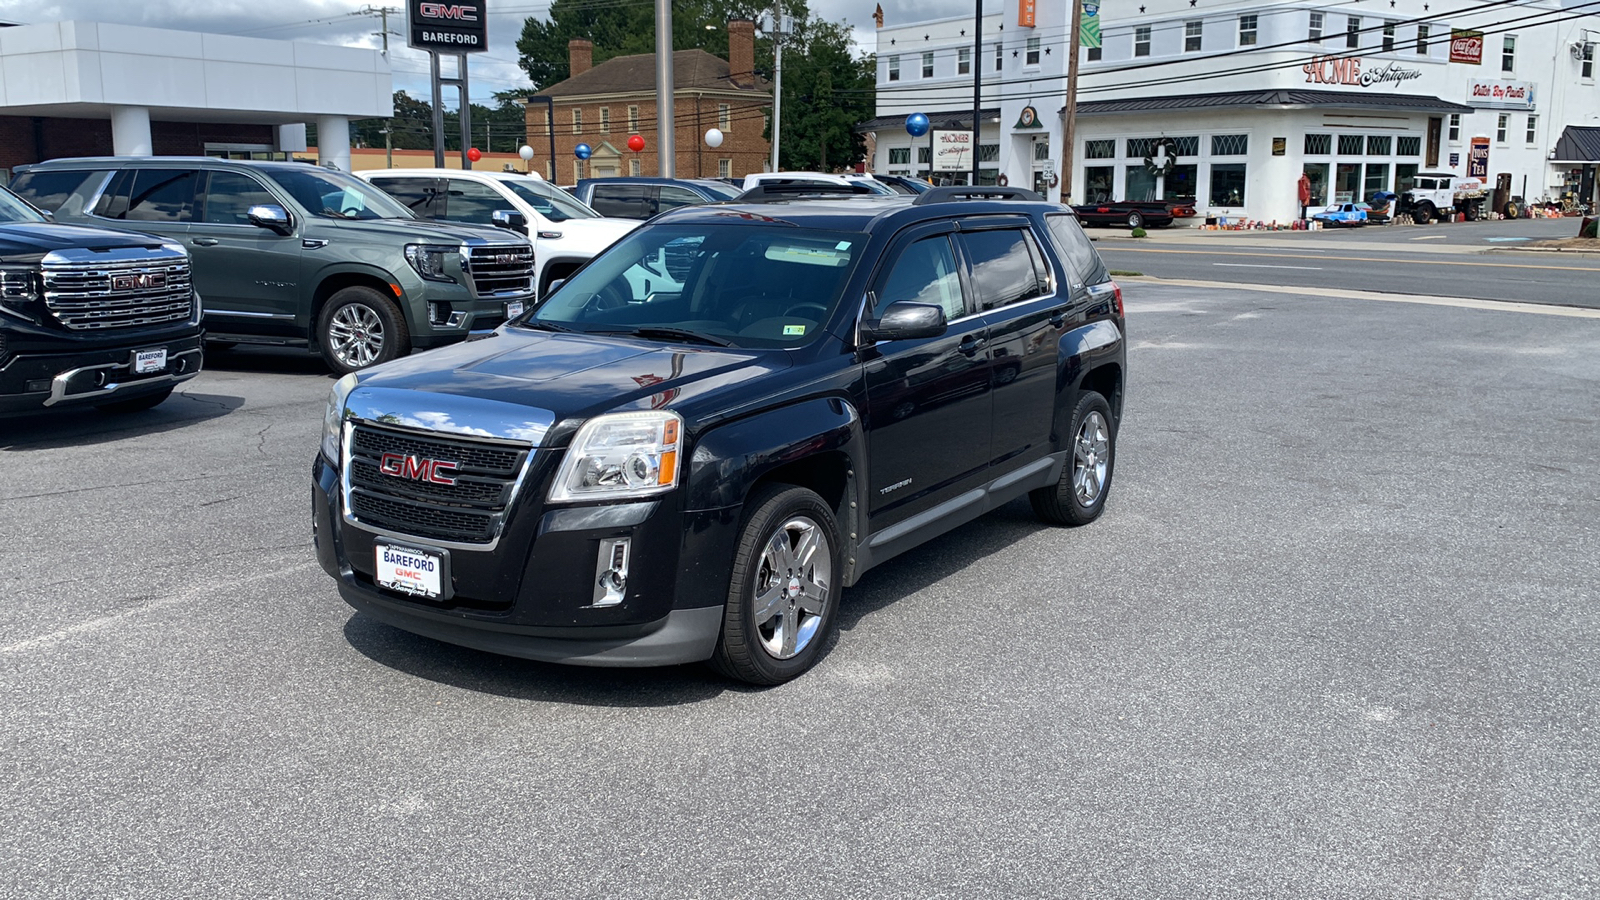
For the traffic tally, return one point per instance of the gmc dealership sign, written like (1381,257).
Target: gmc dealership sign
(443,26)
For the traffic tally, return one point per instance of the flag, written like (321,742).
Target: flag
(1089,25)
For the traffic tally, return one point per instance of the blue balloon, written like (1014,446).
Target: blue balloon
(582,151)
(917,124)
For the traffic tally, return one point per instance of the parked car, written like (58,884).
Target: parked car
(565,232)
(644,198)
(289,253)
(866,181)
(90,316)
(1132,213)
(1353,215)
(900,184)
(690,449)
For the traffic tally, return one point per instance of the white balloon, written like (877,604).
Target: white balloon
(525,152)
(714,138)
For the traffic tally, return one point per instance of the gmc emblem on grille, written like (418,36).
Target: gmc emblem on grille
(506,259)
(141,282)
(416,468)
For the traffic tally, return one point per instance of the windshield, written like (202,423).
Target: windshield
(739,285)
(552,203)
(337,195)
(13,210)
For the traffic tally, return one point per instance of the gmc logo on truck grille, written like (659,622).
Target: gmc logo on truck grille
(416,468)
(506,259)
(141,282)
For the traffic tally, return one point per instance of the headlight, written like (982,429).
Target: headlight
(19,291)
(333,416)
(633,454)
(428,260)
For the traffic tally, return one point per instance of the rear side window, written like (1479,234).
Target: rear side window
(673,197)
(623,201)
(925,272)
(150,195)
(49,190)
(420,195)
(472,202)
(1003,267)
(229,196)
(1082,262)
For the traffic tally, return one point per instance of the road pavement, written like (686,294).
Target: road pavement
(1472,259)
(1335,636)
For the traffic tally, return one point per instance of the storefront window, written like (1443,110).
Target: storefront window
(1351,144)
(1408,145)
(1099,182)
(989,177)
(1346,182)
(1139,148)
(1377,179)
(1319,144)
(1405,177)
(1378,145)
(1141,185)
(899,156)
(1188,145)
(1227,184)
(1318,173)
(1099,149)
(1181,183)
(988,153)
(1230,144)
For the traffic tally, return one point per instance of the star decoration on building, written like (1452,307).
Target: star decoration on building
(1013,54)
(891,42)
(1141,9)
(924,37)
(963,32)
(1191,2)
(1047,51)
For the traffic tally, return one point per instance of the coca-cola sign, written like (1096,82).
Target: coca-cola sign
(1466,47)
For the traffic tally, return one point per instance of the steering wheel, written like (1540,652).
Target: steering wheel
(820,309)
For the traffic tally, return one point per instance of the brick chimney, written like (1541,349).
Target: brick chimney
(742,51)
(580,56)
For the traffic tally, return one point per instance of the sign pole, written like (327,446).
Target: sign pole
(438,112)
(456,29)
(977,85)
(466,110)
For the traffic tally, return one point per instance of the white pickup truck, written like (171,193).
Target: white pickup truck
(1433,195)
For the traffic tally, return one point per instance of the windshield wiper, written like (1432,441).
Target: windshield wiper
(543,326)
(668,332)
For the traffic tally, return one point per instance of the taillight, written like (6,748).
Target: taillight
(1116,298)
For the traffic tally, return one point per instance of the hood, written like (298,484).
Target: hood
(423,230)
(518,376)
(39,238)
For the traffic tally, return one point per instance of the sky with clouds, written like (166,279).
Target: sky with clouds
(341,22)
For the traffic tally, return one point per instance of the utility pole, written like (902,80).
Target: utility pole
(1071,124)
(382,12)
(666,138)
(779,32)
(977,85)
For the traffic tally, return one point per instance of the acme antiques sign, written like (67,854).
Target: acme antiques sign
(1346,70)
(1466,47)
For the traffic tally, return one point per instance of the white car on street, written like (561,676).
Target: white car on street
(565,232)
(866,181)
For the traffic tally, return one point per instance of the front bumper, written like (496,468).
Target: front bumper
(448,317)
(533,593)
(32,380)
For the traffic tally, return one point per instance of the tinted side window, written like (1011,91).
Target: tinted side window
(925,273)
(49,190)
(625,201)
(420,195)
(1002,266)
(229,196)
(472,202)
(673,197)
(162,195)
(1080,258)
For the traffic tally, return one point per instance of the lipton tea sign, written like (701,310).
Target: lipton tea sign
(1466,47)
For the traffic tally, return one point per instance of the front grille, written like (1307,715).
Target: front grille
(505,269)
(93,296)
(470,511)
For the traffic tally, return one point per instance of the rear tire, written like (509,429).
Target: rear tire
(1080,495)
(360,327)
(783,593)
(1135,220)
(135,404)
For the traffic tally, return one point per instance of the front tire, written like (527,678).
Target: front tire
(1135,220)
(783,594)
(1079,496)
(360,327)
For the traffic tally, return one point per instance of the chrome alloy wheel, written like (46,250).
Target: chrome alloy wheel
(791,587)
(355,335)
(1091,453)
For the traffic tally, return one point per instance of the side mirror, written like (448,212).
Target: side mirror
(553,287)
(48,215)
(906,321)
(509,219)
(271,216)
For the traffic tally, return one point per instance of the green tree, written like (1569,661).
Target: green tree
(826,91)
(623,30)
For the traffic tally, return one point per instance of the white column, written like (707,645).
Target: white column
(130,131)
(333,142)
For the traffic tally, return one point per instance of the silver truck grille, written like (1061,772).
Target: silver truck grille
(501,270)
(93,296)
(469,511)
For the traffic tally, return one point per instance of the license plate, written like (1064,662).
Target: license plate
(514,309)
(147,361)
(409,571)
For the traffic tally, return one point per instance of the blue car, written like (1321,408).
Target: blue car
(1353,215)
(643,198)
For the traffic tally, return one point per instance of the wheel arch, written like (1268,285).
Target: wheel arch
(1091,359)
(333,282)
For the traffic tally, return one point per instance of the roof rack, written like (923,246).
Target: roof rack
(961,192)
(768,191)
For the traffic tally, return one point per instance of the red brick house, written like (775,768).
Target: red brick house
(603,105)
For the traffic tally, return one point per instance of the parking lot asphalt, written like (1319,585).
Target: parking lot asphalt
(1335,636)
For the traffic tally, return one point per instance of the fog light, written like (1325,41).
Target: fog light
(611,572)
(438,313)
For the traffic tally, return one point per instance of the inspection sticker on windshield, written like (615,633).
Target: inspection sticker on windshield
(147,361)
(794,329)
(408,571)
(809,254)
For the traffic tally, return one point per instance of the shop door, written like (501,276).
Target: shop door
(1435,124)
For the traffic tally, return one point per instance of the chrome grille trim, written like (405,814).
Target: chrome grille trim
(82,292)
(500,270)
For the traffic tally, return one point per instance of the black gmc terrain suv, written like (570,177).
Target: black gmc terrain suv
(692,446)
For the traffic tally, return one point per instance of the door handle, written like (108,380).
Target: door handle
(971,344)
(206,242)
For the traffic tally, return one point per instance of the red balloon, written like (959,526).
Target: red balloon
(473,154)
(636,143)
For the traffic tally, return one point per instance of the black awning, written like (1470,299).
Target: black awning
(959,119)
(1579,144)
(1273,99)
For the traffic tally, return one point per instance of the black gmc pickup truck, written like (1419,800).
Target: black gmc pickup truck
(88,316)
(692,446)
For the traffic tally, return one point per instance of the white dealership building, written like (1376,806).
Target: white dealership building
(1227,104)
